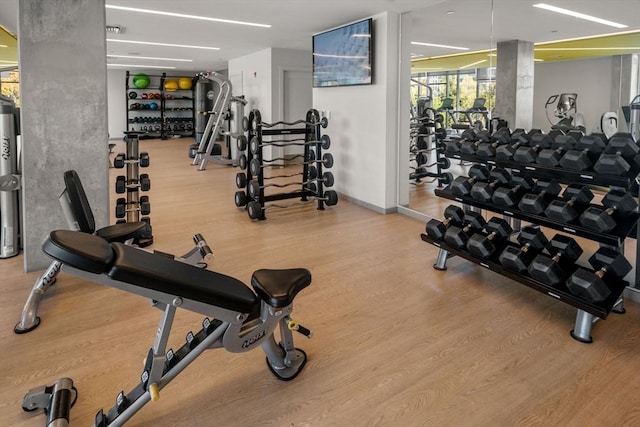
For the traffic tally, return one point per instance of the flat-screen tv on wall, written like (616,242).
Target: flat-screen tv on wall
(344,56)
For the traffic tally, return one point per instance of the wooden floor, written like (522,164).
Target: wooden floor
(396,342)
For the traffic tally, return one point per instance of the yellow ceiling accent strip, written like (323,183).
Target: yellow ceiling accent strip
(8,54)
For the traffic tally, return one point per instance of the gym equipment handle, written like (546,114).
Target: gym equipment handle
(295,326)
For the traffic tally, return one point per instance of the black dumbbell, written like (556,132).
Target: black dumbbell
(586,151)
(452,145)
(121,184)
(241,180)
(618,204)
(461,186)
(484,245)
(458,237)
(551,156)
(532,241)
(528,154)
(145,182)
(255,209)
(505,196)
(452,215)
(488,149)
(121,207)
(576,199)
(144,159)
(519,138)
(483,191)
(621,153)
(118,160)
(470,147)
(552,270)
(144,205)
(535,203)
(590,285)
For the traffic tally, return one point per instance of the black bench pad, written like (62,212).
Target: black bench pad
(80,250)
(279,287)
(123,231)
(164,274)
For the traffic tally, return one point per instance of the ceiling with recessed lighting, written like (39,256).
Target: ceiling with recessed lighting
(476,25)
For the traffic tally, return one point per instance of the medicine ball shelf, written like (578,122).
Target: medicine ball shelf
(561,293)
(174,109)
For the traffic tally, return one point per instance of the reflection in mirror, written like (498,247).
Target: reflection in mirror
(451,93)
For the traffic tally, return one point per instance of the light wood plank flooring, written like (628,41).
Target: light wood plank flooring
(396,342)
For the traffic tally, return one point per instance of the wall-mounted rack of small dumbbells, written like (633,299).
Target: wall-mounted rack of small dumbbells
(311,180)
(427,135)
(518,175)
(134,207)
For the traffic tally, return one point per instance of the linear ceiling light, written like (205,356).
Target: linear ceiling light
(588,48)
(473,63)
(3,45)
(148,57)
(163,44)
(182,15)
(140,66)
(440,45)
(578,15)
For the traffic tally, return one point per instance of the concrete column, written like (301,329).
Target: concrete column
(63,78)
(514,83)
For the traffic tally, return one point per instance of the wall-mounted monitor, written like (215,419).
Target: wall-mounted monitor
(344,56)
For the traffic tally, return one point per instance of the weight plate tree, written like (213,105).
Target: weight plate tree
(311,180)
(528,173)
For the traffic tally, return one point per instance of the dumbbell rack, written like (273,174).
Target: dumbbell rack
(588,312)
(133,205)
(313,140)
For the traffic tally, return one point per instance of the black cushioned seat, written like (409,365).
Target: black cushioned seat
(279,287)
(80,250)
(84,217)
(164,274)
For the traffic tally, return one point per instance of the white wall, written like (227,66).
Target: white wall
(589,78)
(363,124)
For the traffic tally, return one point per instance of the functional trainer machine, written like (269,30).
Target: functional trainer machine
(79,216)
(241,319)
(207,150)
(9,180)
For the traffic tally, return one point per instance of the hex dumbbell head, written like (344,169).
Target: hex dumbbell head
(590,285)
(457,236)
(483,191)
(536,203)
(552,270)
(484,245)
(461,186)
(452,215)
(576,197)
(622,144)
(618,204)
(509,196)
(532,241)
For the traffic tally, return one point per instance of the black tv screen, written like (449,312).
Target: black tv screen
(344,56)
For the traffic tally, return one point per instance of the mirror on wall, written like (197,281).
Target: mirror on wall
(449,93)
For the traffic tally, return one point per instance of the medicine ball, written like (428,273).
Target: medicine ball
(133,95)
(170,85)
(141,80)
(153,106)
(184,83)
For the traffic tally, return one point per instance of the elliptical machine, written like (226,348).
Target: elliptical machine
(567,111)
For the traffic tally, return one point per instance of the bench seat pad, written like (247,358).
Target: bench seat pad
(164,274)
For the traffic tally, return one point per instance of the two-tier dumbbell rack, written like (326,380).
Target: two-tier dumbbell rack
(134,207)
(587,312)
(252,152)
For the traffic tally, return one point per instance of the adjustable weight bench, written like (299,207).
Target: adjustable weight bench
(79,216)
(239,319)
